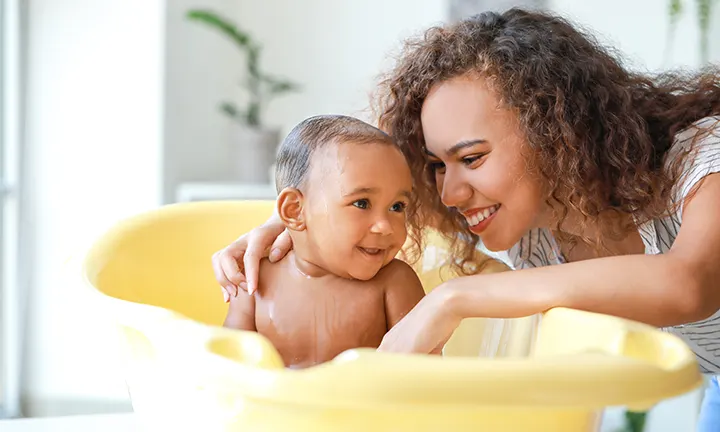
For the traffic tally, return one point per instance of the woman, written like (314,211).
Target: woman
(527,136)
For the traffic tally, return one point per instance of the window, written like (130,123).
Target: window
(9,207)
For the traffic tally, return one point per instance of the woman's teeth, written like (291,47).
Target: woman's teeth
(371,251)
(482,215)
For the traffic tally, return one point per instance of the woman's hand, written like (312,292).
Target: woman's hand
(237,266)
(427,327)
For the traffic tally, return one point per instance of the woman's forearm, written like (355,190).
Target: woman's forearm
(654,289)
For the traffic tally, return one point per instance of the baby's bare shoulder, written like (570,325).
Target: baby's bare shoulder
(273,275)
(266,267)
(397,271)
(403,290)
(399,276)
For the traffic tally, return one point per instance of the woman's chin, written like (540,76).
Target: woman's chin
(495,243)
(493,248)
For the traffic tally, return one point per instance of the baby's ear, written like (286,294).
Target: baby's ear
(289,207)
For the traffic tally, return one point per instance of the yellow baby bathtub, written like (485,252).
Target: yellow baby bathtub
(152,275)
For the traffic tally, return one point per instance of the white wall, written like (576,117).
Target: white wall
(639,29)
(201,70)
(10,97)
(334,49)
(92,156)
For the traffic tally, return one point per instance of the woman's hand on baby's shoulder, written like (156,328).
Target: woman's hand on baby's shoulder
(237,266)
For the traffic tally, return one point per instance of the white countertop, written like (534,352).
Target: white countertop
(204,191)
(86,423)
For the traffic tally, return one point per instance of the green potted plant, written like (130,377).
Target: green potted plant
(256,142)
(634,421)
(704,9)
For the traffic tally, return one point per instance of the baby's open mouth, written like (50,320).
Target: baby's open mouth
(371,251)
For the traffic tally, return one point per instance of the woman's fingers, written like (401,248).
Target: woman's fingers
(229,261)
(392,342)
(220,277)
(258,248)
(238,265)
(226,268)
(280,247)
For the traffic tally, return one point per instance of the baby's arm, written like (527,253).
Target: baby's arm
(241,313)
(403,290)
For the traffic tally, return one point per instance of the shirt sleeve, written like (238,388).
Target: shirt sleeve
(699,145)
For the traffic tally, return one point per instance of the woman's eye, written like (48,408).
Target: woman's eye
(362,204)
(437,167)
(469,160)
(398,207)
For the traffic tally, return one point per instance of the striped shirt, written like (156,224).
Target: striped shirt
(538,248)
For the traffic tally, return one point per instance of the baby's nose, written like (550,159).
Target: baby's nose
(381,226)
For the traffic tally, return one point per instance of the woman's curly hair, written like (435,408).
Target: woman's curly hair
(598,132)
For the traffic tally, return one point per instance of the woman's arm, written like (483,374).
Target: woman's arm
(657,290)
(679,287)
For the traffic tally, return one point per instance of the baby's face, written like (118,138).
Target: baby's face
(355,206)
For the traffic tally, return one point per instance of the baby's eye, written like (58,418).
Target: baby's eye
(362,204)
(398,207)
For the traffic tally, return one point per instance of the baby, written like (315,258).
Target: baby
(344,187)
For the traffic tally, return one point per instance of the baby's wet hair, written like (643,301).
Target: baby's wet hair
(297,149)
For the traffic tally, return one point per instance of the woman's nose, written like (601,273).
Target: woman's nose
(454,190)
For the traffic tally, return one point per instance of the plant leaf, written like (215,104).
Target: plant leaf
(224,26)
(230,109)
(280,85)
(283,87)
(260,86)
(704,12)
(676,9)
(704,8)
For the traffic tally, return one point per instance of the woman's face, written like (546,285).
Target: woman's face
(478,154)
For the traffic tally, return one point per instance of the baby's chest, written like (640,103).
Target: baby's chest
(332,312)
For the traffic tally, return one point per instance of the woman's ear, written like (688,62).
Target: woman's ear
(289,208)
